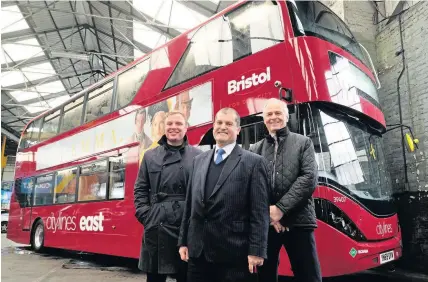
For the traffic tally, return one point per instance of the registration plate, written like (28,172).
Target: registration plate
(386,257)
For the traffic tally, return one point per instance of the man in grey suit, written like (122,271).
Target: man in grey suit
(223,234)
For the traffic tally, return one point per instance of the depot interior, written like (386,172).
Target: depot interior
(53,50)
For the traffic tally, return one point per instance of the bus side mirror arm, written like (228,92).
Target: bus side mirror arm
(282,90)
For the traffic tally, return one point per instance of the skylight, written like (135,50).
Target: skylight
(22,50)
(21,96)
(12,19)
(27,74)
(182,18)
(148,36)
(51,87)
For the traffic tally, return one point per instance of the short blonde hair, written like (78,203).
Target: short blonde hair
(175,112)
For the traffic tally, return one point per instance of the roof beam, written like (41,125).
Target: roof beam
(28,62)
(13,36)
(143,18)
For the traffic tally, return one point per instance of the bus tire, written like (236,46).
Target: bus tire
(4,227)
(38,237)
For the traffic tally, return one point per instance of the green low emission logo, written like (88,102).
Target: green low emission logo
(353,252)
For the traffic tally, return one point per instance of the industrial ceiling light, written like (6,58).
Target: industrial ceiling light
(70,55)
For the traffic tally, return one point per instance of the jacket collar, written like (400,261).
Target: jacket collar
(164,142)
(283,132)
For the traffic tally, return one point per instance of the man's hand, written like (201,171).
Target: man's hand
(184,254)
(254,261)
(278,227)
(275,213)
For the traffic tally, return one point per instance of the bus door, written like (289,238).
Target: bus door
(24,195)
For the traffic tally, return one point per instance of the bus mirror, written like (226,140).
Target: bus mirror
(284,93)
(411,143)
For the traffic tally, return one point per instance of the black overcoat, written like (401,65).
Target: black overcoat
(159,196)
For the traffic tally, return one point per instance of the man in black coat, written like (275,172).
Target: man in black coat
(159,196)
(292,213)
(226,220)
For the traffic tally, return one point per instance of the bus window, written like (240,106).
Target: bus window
(30,136)
(312,18)
(65,186)
(255,27)
(129,82)
(93,181)
(72,115)
(26,137)
(99,102)
(23,191)
(43,190)
(117,178)
(50,126)
(249,29)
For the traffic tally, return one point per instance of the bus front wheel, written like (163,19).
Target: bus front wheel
(38,237)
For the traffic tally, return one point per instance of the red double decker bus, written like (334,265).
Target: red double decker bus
(77,163)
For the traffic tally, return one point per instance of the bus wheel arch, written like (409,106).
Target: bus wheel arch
(37,239)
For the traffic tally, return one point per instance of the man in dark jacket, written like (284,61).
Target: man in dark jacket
(226,220)
(159,196)
(292,212)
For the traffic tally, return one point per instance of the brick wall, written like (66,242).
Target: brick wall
(382,40)
(412,201)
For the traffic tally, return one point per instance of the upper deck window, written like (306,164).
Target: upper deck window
(50,126)
(72,115)
(246,30)
(30,136)
(314,19)
(99,102)
(129,82)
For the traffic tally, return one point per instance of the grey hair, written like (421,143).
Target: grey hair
(227,110)
(276,101)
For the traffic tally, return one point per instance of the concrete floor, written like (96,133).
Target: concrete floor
(20,264)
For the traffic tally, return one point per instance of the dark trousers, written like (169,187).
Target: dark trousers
(301,249)
(181,276)
(201,270)
(155,277)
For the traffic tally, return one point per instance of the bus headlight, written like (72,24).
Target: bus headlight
(333,216)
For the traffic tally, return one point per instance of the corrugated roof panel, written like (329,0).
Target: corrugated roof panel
(63,19)
(72,41)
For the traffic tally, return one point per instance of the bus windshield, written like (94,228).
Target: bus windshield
(312,18)
(350,158)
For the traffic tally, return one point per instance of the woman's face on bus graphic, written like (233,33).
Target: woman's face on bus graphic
(275,115)
(158,126)
(175,127)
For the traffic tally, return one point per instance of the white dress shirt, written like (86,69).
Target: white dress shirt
(228,150)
